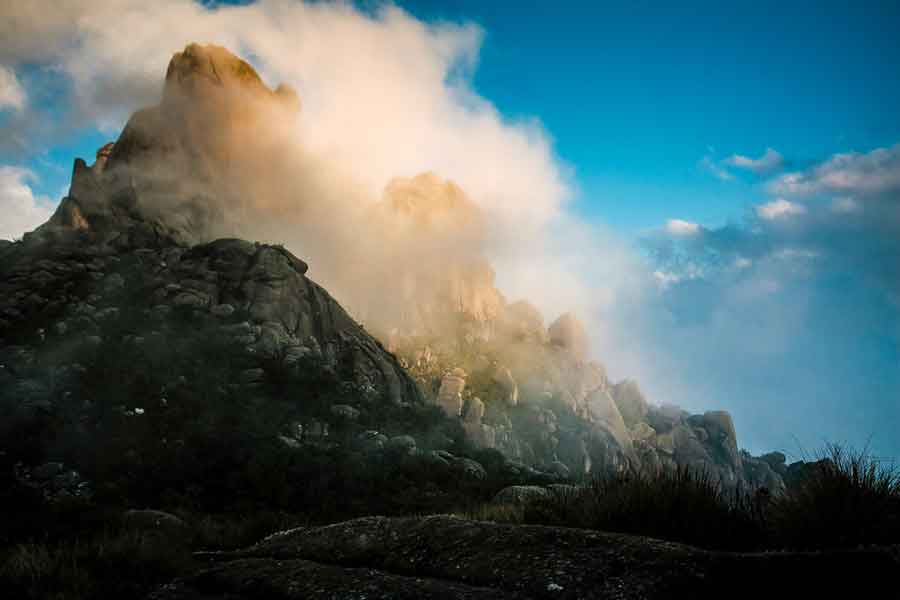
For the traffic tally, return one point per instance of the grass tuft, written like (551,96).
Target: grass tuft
(845,499)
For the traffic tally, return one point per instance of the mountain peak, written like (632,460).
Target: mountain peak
(201,70)
(177,167)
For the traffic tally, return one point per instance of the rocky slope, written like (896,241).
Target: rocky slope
(129,266)
(533,393)
(122,307)
(447,557)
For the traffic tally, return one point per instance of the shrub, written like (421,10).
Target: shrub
(107,565)
(845,499)
(682,505)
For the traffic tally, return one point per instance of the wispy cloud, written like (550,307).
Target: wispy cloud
(853,173)
(770,162)
(12,95)
(779,208)
(712,166)
(681,227)
(767,163)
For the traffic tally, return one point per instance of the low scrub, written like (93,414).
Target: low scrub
(106,565)
(842,499)
(845,499)
(680,505)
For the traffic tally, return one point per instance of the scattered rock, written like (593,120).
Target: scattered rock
(521,495)
(450,395)
(345,411)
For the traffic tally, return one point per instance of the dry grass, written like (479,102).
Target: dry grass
(111,564)
(845,499)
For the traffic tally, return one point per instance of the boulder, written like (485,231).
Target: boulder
(630,401)
(154,520)
(722,438)
(642,432)
(449,397)
(523,321)
(521,495)
(345,411)
(664,418)
(602,411)
(468,470)
(405,444)
(567,332)
(776,461)
(481,435)
(503,377)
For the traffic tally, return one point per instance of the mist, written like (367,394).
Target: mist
(384,98)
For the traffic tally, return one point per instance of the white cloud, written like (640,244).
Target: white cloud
(867,174)
(405,83)
(12,95)
(681,227)
(768,162)
(779,208)
(21,211)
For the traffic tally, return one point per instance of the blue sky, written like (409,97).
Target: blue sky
(745,157)
(635,94)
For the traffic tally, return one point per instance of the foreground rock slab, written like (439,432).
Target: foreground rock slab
(450,557)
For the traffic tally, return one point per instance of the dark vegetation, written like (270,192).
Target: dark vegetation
(845,499)
(165,422)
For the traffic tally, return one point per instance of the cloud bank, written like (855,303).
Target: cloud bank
(804,297)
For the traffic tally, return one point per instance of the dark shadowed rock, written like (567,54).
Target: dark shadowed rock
(448,557)
(521,495)
(155,520)
(280,316)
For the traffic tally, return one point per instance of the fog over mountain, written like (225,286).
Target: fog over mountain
(787,318)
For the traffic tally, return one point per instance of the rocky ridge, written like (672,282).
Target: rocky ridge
(129,263)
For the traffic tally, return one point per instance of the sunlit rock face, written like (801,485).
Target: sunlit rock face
(630,401)
(450,394)
(481,435)
(441,280)
(569,333)
(184,167)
